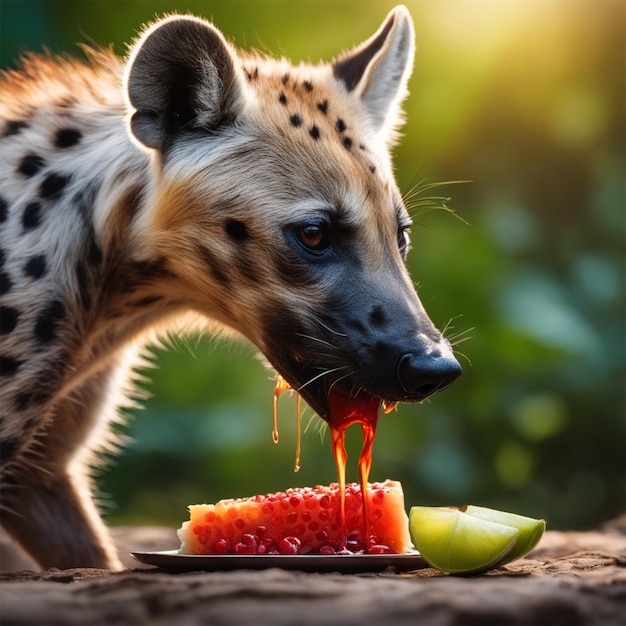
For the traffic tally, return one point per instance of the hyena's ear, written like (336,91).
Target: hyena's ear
(181,75)
(378,70)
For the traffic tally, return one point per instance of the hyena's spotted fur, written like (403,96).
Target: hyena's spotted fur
(193,186)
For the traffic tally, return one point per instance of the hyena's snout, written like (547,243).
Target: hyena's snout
(365,339)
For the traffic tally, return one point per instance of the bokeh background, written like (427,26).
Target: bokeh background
(525,99)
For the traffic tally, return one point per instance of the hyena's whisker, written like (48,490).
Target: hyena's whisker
(313,338)
(320,375)
(328,328)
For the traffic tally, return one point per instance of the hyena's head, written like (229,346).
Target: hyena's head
(276,207)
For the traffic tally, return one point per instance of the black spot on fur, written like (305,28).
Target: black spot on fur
(249,268)
(8,319)
(83,286)
(52,185)
(214,265)
(8,448)
(323,106)
(13,127)
(31,218)
(36,266)
(377,316)
(84,201)
(2,258)
(236,230)
(67,137)
(4,209)
(285,79)
(308,85)
(6,284)
(373,169)
(30,165)
(27,399)
(94,253)
(340,125)
(48,320)
(146,301)
(9,365)
(347,142)
(362,147)
(282,98)
(314,131)
(295,120)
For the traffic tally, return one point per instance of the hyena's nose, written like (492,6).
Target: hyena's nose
(421,375)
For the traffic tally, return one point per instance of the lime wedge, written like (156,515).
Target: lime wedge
(530,530)
(454,542)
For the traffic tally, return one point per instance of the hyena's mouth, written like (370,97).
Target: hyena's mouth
(409,378)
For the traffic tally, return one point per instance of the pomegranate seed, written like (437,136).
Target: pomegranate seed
(242,548)
(249,539)
(221,546)
(210,516)
(292,517)
(267,508)
(327,550)
(378,497)
(277,520)
(289,545)
(239,523)
(325,501)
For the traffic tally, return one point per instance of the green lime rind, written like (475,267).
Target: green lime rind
(530,530)
(454,542)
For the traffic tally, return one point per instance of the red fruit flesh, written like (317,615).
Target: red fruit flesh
(300,521)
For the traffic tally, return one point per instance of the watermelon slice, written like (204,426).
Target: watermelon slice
(300,521)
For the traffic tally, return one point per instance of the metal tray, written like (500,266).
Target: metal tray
(353,563)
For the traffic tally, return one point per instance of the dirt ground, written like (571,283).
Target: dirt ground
(570,578)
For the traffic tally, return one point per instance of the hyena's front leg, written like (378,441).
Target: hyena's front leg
(47,505)
(56,522)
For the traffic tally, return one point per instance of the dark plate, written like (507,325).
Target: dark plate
(171,560)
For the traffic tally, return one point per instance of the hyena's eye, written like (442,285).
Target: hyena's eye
(403,239)
(314,236)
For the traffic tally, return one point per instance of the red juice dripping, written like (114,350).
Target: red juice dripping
(364,410)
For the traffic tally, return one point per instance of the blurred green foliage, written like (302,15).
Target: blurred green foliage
(525,99)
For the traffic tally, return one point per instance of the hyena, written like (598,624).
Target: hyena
(194,185)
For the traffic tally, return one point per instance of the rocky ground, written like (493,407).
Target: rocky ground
(570,578)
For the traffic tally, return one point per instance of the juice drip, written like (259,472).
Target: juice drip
(281,386)
(343,413)
(296,467)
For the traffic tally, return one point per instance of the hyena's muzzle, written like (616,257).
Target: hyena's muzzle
(369,335)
